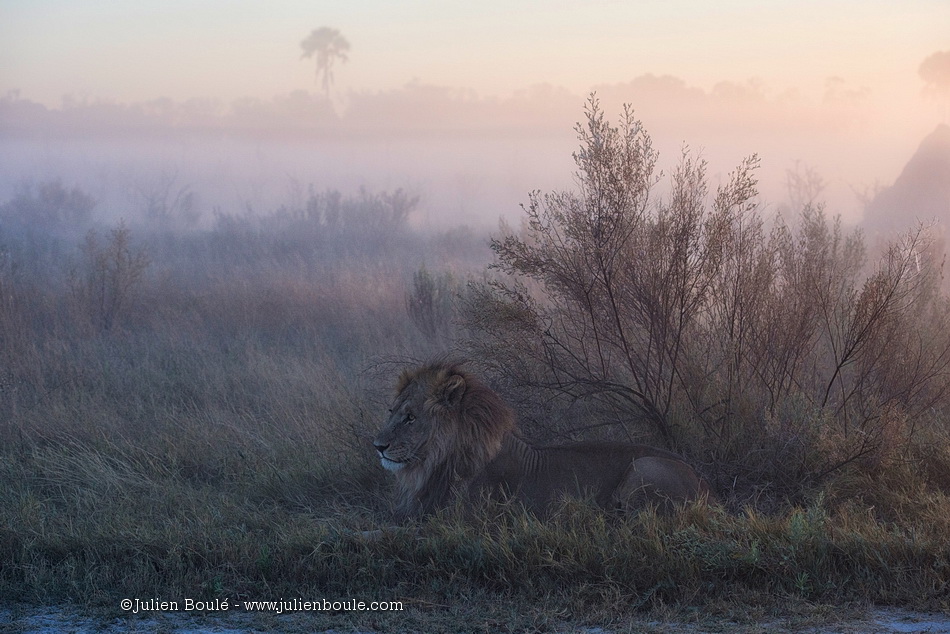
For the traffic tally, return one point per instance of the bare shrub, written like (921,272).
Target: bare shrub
(48,204)
(109,277)
(431,307)
(168,204)
(774,354)
(804,185)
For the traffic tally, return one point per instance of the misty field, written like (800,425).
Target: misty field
(188,413)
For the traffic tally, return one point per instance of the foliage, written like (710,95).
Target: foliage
(109,277)
(166,203)
(327,228)
(935,71)
(771,353)
(48,204)
(430,303)
(328,45)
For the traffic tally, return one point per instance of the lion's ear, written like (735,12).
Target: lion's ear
(405,378)
(452,390)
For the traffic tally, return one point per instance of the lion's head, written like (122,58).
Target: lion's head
(444,425)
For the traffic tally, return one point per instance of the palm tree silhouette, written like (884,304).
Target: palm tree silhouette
(328,45)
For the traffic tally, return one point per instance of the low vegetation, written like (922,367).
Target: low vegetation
(188,413)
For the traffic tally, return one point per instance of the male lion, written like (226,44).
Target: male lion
(447,433)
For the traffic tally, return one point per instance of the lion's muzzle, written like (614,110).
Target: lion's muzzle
(388,463)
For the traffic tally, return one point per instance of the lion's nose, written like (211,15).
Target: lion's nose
(381,448)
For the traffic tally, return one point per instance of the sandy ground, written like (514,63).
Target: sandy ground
(67,619)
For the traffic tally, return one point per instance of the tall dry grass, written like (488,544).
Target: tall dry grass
(212,442)
(160,388)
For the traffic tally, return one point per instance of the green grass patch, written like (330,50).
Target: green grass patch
(93,524)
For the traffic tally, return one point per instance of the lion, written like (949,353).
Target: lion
(448,434)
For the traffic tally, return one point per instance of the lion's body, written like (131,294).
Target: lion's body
(614,475)
(449,434)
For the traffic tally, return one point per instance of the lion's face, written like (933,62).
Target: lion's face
(403,441)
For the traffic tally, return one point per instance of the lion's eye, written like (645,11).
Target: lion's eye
(410,418)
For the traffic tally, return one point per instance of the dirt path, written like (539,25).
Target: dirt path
(33,620)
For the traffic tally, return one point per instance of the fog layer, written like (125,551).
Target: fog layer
(471,159)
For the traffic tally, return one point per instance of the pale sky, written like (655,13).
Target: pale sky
(126,51)
(129,51)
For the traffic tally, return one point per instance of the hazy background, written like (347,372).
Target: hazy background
(468,106)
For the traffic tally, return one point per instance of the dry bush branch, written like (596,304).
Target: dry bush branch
(684,319)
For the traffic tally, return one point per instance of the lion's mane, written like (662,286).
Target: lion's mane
(467,424)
